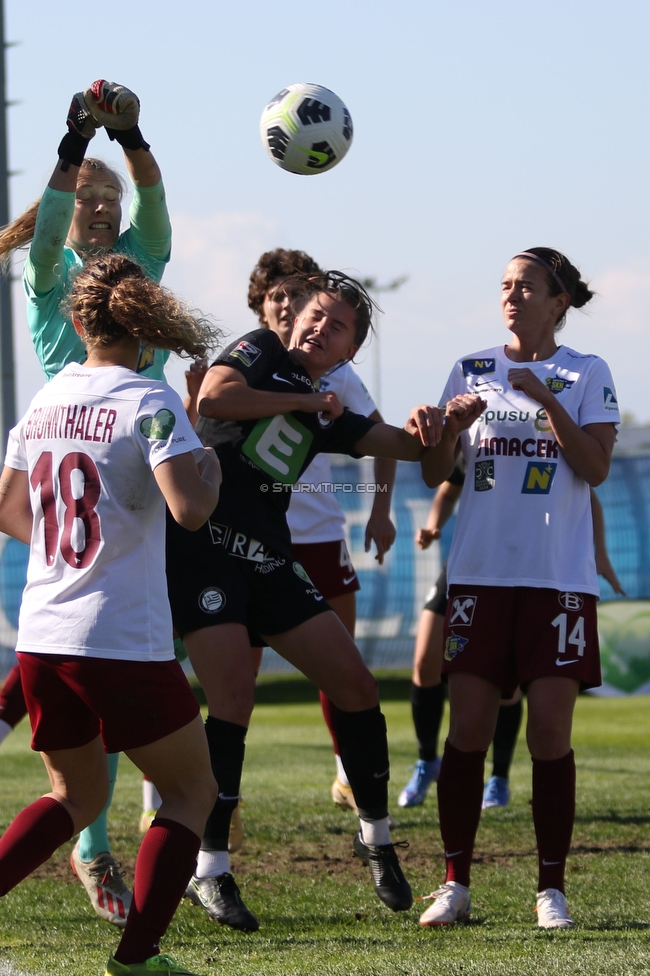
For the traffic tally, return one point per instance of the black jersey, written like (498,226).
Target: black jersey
(262,459)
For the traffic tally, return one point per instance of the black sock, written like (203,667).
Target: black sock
(364,753)
(227,743)
(505,738)
(426,706)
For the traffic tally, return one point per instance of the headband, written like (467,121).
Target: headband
(545,264)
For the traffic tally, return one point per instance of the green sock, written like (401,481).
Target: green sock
(94,839)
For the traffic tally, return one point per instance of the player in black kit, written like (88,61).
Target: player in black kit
(262,413)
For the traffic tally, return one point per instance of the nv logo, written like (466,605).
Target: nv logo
(310,111)
(462,611)
(538,478)
(279,446)
(478,367)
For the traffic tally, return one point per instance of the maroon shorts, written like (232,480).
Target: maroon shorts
(72,700)
(513,634)
(328,566)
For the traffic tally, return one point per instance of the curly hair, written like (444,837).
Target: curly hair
(20,232)
(340,286)
(112,298)
(272,265)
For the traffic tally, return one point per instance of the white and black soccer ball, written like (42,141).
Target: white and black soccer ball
(306,129)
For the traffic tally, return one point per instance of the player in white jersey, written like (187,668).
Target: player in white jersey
(522,574)
(79,214)
(315,518)
(87,474)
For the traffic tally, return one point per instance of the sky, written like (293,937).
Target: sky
(481,129)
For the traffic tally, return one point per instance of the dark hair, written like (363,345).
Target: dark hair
(340,286)
(561,276)
(113,298)
(272,265)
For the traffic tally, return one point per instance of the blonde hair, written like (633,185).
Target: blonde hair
(112,299)
(20,232)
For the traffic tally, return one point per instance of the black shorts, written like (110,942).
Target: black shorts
(220,576)
(437,596)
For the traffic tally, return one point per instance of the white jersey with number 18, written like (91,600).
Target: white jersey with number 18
(90,442)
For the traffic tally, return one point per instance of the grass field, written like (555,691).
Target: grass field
(317,908)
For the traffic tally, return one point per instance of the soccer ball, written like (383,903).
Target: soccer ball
(306,129)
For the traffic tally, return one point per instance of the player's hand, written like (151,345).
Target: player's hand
(605,569)
(526,382)
(462,411)
(426,423)
(327,404)
(382,532)
(80,121)
(424,537)
(194,377)
(112,105)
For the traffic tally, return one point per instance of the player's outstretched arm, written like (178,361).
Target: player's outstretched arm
(15,510)
(225,395)
(438,460)
(191,490)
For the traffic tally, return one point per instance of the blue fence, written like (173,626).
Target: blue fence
(392,595)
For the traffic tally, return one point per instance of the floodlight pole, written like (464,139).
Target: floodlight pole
(375,289)
(7,374)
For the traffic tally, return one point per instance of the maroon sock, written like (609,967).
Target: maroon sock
(12,700)
(165,863)
(327,708)
(460,792)
(554,809)
(31,838)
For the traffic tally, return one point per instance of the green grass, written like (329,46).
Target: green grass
(317,909)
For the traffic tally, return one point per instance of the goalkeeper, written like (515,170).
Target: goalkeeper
(79,215)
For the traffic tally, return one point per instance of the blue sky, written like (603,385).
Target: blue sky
(480,129)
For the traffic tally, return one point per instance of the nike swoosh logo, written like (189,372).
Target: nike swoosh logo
(548,864)
(349,580)
(281,379)
(381,775)
(453,854)
(317,597)
(575,660)
(222,796)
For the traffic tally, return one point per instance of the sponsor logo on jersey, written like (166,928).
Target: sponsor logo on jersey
(453,645)
(462,611)
(483,475)
(158,427)
(491,385)
(246,353)
(609,398)
(557,383)
(478,367)
(514,447)
(571,601)
(541,421)
(240,545)
(538,478)
(279,446)
(146,358)
(212,600)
